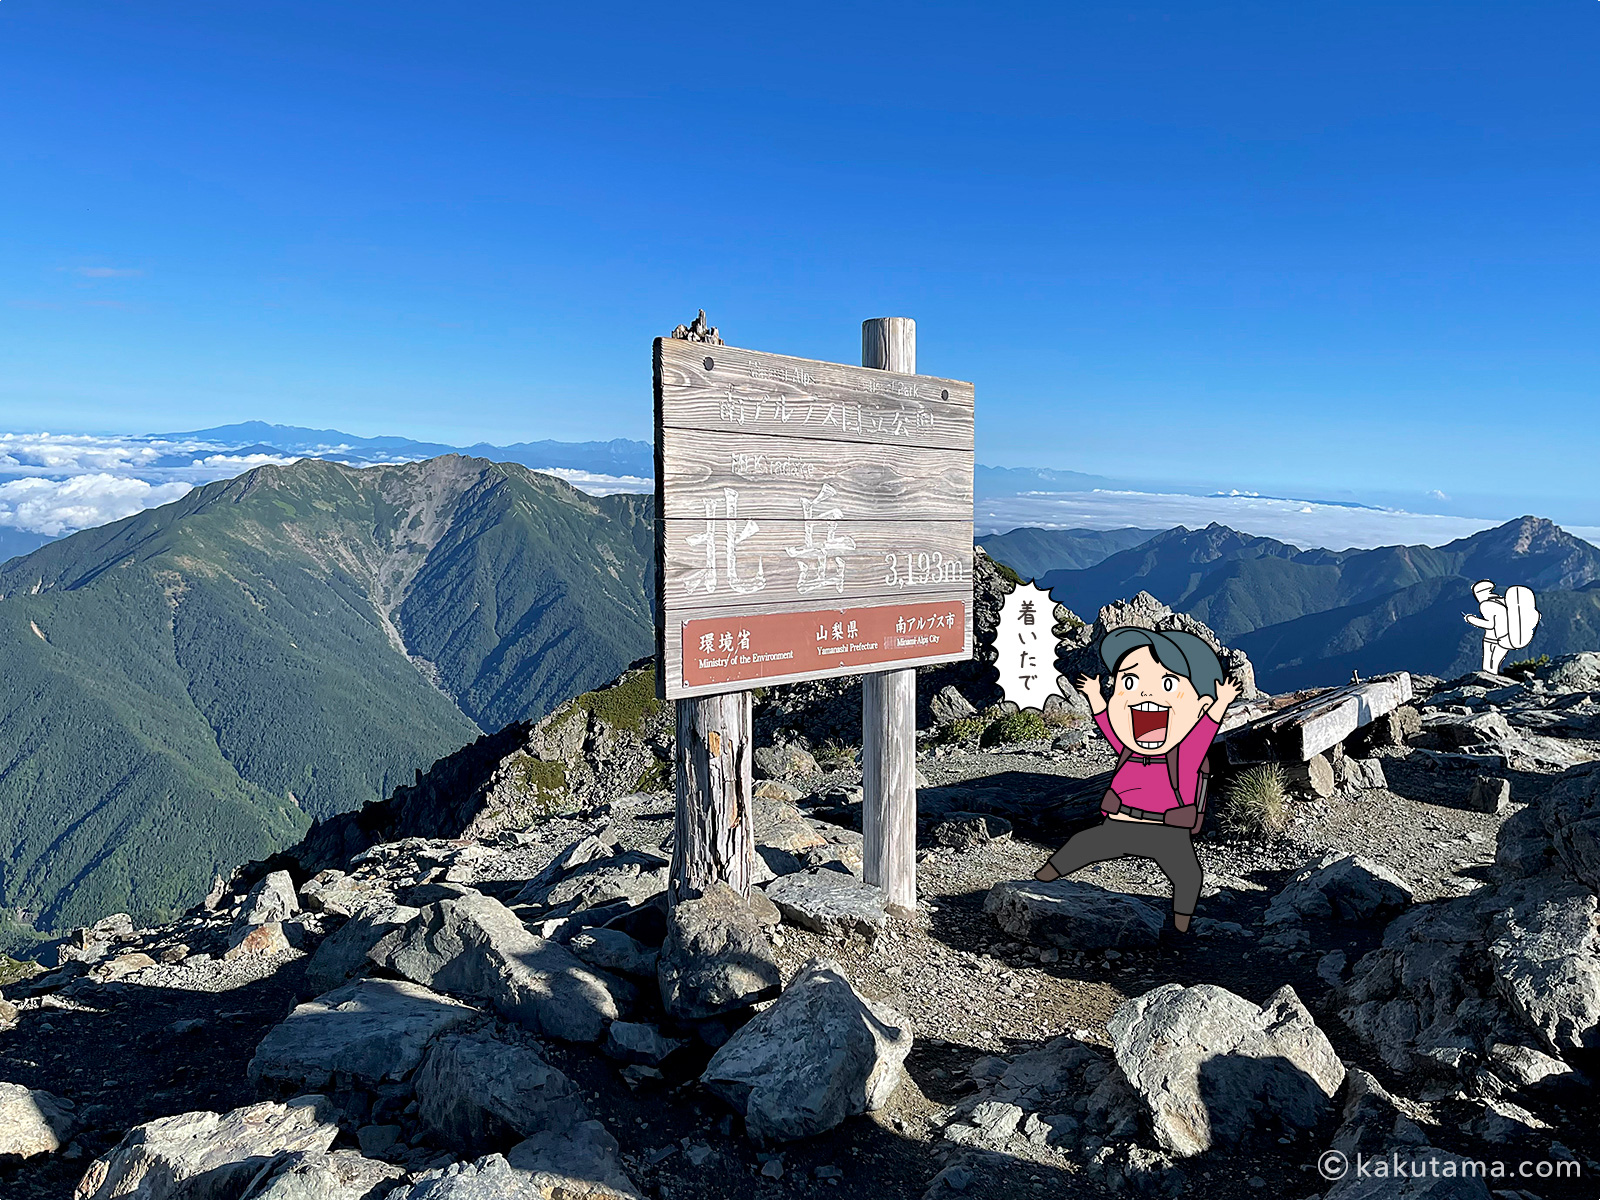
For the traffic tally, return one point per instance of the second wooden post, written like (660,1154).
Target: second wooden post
(889,700)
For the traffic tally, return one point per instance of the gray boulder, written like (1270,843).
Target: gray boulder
(715,958)
(475,947)
(34,1122)
(1422,978)
(776,789)
(334,892)
(783,762)
(1502,1121)
(1075,915)
(1359,774)
(1547,966)
(1210,1066)
(948,704)
(372,1030)
(1050,1076)
(967,831)
(1523,846)
(633,875)
(471,1087)
(1570,811)
(829,902)
(1573,673)
(1340,887)
(1371,1119)
(489,1178)
(1391,729)
(1489,794)
(789,837)
(272,899)
(309,1175)
(206,1155)
(988,1121)
(585,850)
(1072,739)
(820,1054)
(342,955)
(613,950)
(581,1164)
(632,1042)
(1524,1067)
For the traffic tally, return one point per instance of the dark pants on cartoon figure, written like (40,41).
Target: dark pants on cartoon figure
(1169,845)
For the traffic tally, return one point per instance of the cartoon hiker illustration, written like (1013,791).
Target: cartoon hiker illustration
(1168,698)
(1507,621)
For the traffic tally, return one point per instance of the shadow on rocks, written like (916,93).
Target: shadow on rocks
(133,1054)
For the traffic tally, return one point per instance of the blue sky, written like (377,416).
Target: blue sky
(1335,250)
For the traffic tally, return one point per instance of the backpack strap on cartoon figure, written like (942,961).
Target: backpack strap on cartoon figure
(1188,816)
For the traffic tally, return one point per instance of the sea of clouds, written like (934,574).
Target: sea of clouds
(1304,523)
(54,484)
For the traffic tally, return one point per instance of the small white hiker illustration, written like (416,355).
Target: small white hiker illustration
(1507,621)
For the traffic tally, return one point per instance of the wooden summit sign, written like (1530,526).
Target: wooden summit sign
(813,519)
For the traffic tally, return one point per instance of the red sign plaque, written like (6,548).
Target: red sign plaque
(751,647)
(793,496)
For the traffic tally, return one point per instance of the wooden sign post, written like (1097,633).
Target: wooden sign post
(889,701)
(813,520)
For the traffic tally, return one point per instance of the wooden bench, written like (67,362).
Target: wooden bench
(1300,732)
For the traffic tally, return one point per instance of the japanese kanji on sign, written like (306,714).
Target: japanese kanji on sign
(813,519)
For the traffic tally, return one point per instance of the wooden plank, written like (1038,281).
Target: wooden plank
(1296,733)
(809,563)
(670,679)
(752,392)
(777,477)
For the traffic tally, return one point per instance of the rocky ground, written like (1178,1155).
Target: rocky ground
(1409,970)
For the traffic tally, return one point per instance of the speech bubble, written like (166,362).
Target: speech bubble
(1026,647)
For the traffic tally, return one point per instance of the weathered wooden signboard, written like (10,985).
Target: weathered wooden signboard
(813,519)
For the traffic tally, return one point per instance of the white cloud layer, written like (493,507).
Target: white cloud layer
(59,483)
(1298,522)
(54,483)
(600,485)
(57,506)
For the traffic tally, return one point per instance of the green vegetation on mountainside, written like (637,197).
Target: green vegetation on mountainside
(187,688)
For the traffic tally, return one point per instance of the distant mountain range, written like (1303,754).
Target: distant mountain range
(1032,553)
(1308,617)
(619,456)
(187,688)
(1015,481)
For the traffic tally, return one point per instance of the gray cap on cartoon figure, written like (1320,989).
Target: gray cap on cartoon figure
(1179,652)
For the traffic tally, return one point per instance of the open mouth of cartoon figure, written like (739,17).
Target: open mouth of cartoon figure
(1149,724)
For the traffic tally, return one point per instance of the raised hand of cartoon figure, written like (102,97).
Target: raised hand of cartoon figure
(1090,687)
(1227,693)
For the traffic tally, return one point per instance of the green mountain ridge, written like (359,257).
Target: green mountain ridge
(1032,552)
(187,688)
